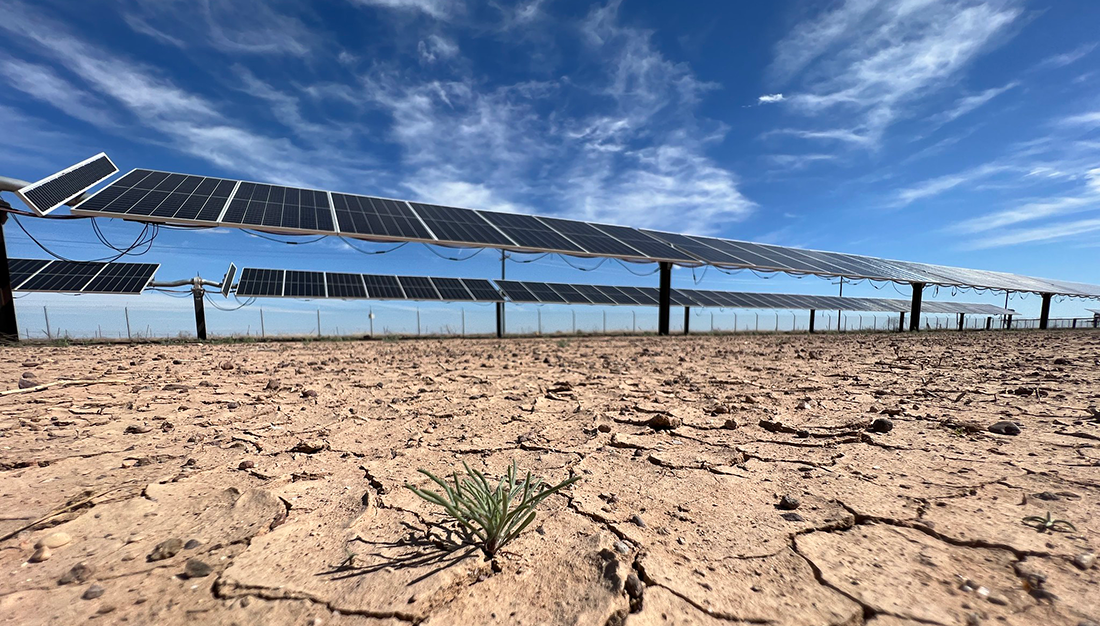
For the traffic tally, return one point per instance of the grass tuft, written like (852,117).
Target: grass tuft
(485,515)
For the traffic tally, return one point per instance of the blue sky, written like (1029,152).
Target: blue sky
(961,132)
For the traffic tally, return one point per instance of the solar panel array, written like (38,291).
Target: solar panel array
(53,191)
(80,276)
(151,196)
(556,293)
(275,283)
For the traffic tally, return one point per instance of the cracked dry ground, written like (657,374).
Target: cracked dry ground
(281,466)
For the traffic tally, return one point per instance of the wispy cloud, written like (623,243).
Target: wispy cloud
(1066,58)
(967,104)
(438,9)
(234,26)
(770,98)
(867,61)
(45,84)
(1041,234)
(937,186)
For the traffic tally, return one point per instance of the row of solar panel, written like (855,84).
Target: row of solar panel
(557,293)
(80,276)
(148,195)
(269,283)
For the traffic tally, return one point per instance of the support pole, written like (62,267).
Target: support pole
(263,332)
(1008,323)
(1044,313)
(813,315)
(46,314)
(200,312)
(914,314)
(838,314)
(9,326)
(989,323)
(463,322)
(687,320)
(126,312)
(961,320)
(500,305)
(574,313)
(664,300)
(318,323)
(901,322)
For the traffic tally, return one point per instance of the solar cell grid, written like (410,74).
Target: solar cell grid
(516,291)
(383,287)
(646,244)
(51,192)
(265,283)
(528,232)
(570,293)
(482,290)
(451,289)
(339,285)
(282,208)
(459,225)
(647,296)
(63,277)
(20,270)
(594,294)
(120,278)
(592,240)
(299,284)
(544,292)
(695,248)
(366,215)
(418,288)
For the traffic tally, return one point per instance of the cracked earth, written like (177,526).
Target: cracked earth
(724,480)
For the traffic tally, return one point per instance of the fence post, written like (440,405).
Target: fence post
(538,313)
(605,321)
(758,321)
(417,321)
(463,322)
(126,311)
(370,316)
(46,314)
(633,321)
(318,323)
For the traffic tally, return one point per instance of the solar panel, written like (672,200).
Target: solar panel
(227,282)
(544,292)
(646,244)
(346,286)
(20,270)
(301,284)
(451,289)
(482,290)
(594,294)
(570,293)
(591,239)
(646,296)
(696,248)
(281,208)
(418,288)
(260,283)
(122,278)
(383,287)
(377,217)
(516,291)
(459,225)
(700,297)
(618,295)
(528,232)
(53,191)
(162,197)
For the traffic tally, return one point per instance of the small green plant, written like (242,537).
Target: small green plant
(489,516)
(1049,524)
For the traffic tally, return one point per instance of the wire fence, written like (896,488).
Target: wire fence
(141,324)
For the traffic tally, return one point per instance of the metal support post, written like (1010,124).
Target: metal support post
(901,322)
(1008,323)
(463,322)
(1044,313)
(605,321)
(126,312)
(539,313)
(417,321)
(263,331)
(989,323)
(200,312)
(318,322)
(914,314)
(500,305)
(813,315)
(961,320)
(9,325)
(687,320)
(574,313)
(664,300)
(46,314)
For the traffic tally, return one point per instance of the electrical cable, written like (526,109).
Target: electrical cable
(287,242)
(206,295)
(583,269)
(357,249)
(140,241)
(443,256)
(650,273)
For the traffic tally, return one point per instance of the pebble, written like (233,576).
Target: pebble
(998,599)
(604,428)
(29,375)
(245,601)
(40,554)
(246,465)
(309,447)
(232,405)
(226,365)
(788,503)
(192,544)
(792,517)
(1085,560)
(621,547)
(26,383)
(1005,428)
(197,569)
(137,429)
(664,422)
(638,521)
(54,540)
(309,393)
(166,549)
(93,592)
(634,586)
(881,425)
(80,573)
(106,608)
(730,424)
(272,384)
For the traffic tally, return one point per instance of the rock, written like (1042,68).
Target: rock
(730,424)
(40,554)
(1005,428)
(1046,496)
(998,599)
(803,405)
(1062,361)
(29,375)
(604,428)
(272,384)
(662,421)
(232,405)
(638,521)
(80,573)
(105,609)
(881,425)
(634,586)
(621,547)
(166,549)
(309,393)
(792,517)
(192,544)
(788,503)
(93,592)
(26,383)
(246,465)
(137,429)
(226,365)
(312,446)
(1085,560)
(197,569)
(54,540)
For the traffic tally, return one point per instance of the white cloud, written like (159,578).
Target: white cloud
(867,61)
(234,26)
(1067,58)
(967,104)
(842,135)
(46,85)
(799,161)
(1092,118)
(1042,234)
(436,47)
(937,186)
(770,98)
(438,9)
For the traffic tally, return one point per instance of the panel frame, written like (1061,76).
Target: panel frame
(21,193)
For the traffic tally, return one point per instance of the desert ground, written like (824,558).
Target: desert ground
(723,480)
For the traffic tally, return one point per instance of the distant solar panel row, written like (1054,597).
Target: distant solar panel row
(273,283)
(51,192)
(557,293)
(80,276)
(147,195)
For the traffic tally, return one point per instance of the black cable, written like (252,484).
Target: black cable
(397,247)
(442,256)
(515,260)
(137,242)
(583,269)
(650,273)
(248,302)
(287,242)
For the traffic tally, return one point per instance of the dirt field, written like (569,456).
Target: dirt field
(279,468)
